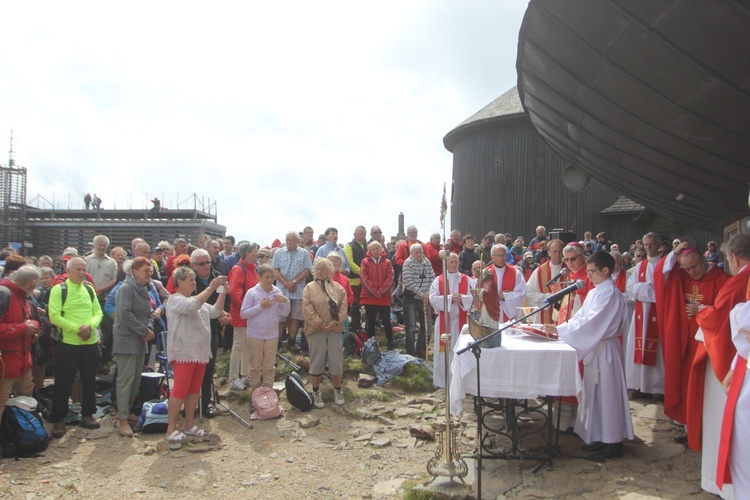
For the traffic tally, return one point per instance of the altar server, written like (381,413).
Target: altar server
(603,419)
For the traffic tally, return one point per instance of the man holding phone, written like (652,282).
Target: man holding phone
(200,261)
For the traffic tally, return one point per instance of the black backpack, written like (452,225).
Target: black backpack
(296,393)
(22,433)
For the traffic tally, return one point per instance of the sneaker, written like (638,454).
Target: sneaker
(58,430)
(318,400)
(245,381)
(90,423)
(237,385)
(338,397)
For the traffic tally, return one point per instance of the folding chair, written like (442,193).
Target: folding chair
(163,363)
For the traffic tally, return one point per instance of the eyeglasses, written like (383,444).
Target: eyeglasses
(569,259)
(591,271)
(202,263)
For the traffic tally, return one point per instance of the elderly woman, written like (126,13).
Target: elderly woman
(324,311)
(338,264)
(133,328)
(189,346)
(376,277)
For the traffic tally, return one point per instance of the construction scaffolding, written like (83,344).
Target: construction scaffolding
(12,204)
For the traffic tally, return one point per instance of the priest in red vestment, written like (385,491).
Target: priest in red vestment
(720,351)
(683,282)
(505,291)
(619,275)
(536,287)
(574,258)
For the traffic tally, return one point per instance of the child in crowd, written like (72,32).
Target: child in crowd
(264,307)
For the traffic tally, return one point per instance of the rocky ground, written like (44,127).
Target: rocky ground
(366,449)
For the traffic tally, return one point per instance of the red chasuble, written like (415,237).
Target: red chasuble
(463,289)
(490,296)
(646,345)
(622,281)
(542,277)
(717,342)
(723,473)
(679,347)
(566,307)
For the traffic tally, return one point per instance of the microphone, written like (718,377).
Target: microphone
(557,276)
(578,285)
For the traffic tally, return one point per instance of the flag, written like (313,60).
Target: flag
(443,209)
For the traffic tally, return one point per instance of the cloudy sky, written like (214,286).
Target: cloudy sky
(285,113)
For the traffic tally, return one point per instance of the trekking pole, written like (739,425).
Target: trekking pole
(231,412)
(297,367)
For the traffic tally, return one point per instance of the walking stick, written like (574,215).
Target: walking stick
(426,328)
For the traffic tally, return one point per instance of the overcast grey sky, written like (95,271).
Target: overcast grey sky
(287,113)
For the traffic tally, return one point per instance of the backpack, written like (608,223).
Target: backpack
(55,332)
(296,393)
(22,433)
(154,417)
(371,352)
(354,342)
(265,404)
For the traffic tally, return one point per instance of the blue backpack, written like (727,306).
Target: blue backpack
(154,417)
(22,433)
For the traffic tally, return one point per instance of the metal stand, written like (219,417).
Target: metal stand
(447,461)
(511,433)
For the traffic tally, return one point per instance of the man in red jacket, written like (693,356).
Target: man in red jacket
(18,329)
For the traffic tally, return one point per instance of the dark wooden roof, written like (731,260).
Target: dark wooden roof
(504,107)
(651,97)
(624,206)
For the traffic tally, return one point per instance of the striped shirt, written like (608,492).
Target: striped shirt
(290,265)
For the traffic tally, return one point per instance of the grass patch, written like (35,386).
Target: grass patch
(353,364)
(414,378)
(385,396)
(411,494)
(239,397)
(222,366)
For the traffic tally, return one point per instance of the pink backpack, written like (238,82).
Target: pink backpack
(265,404)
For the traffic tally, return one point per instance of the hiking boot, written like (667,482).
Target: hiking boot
(90,423)
(338,397)
(237,385)
(318,400)
(58,430)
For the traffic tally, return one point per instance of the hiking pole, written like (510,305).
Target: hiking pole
(231,412)
(297,367)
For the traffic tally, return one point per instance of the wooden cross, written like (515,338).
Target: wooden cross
(695,296)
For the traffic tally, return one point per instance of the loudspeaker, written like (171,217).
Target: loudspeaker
(565,235)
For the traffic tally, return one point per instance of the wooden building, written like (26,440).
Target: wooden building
(507,179)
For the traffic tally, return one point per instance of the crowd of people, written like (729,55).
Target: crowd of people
(655,319)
